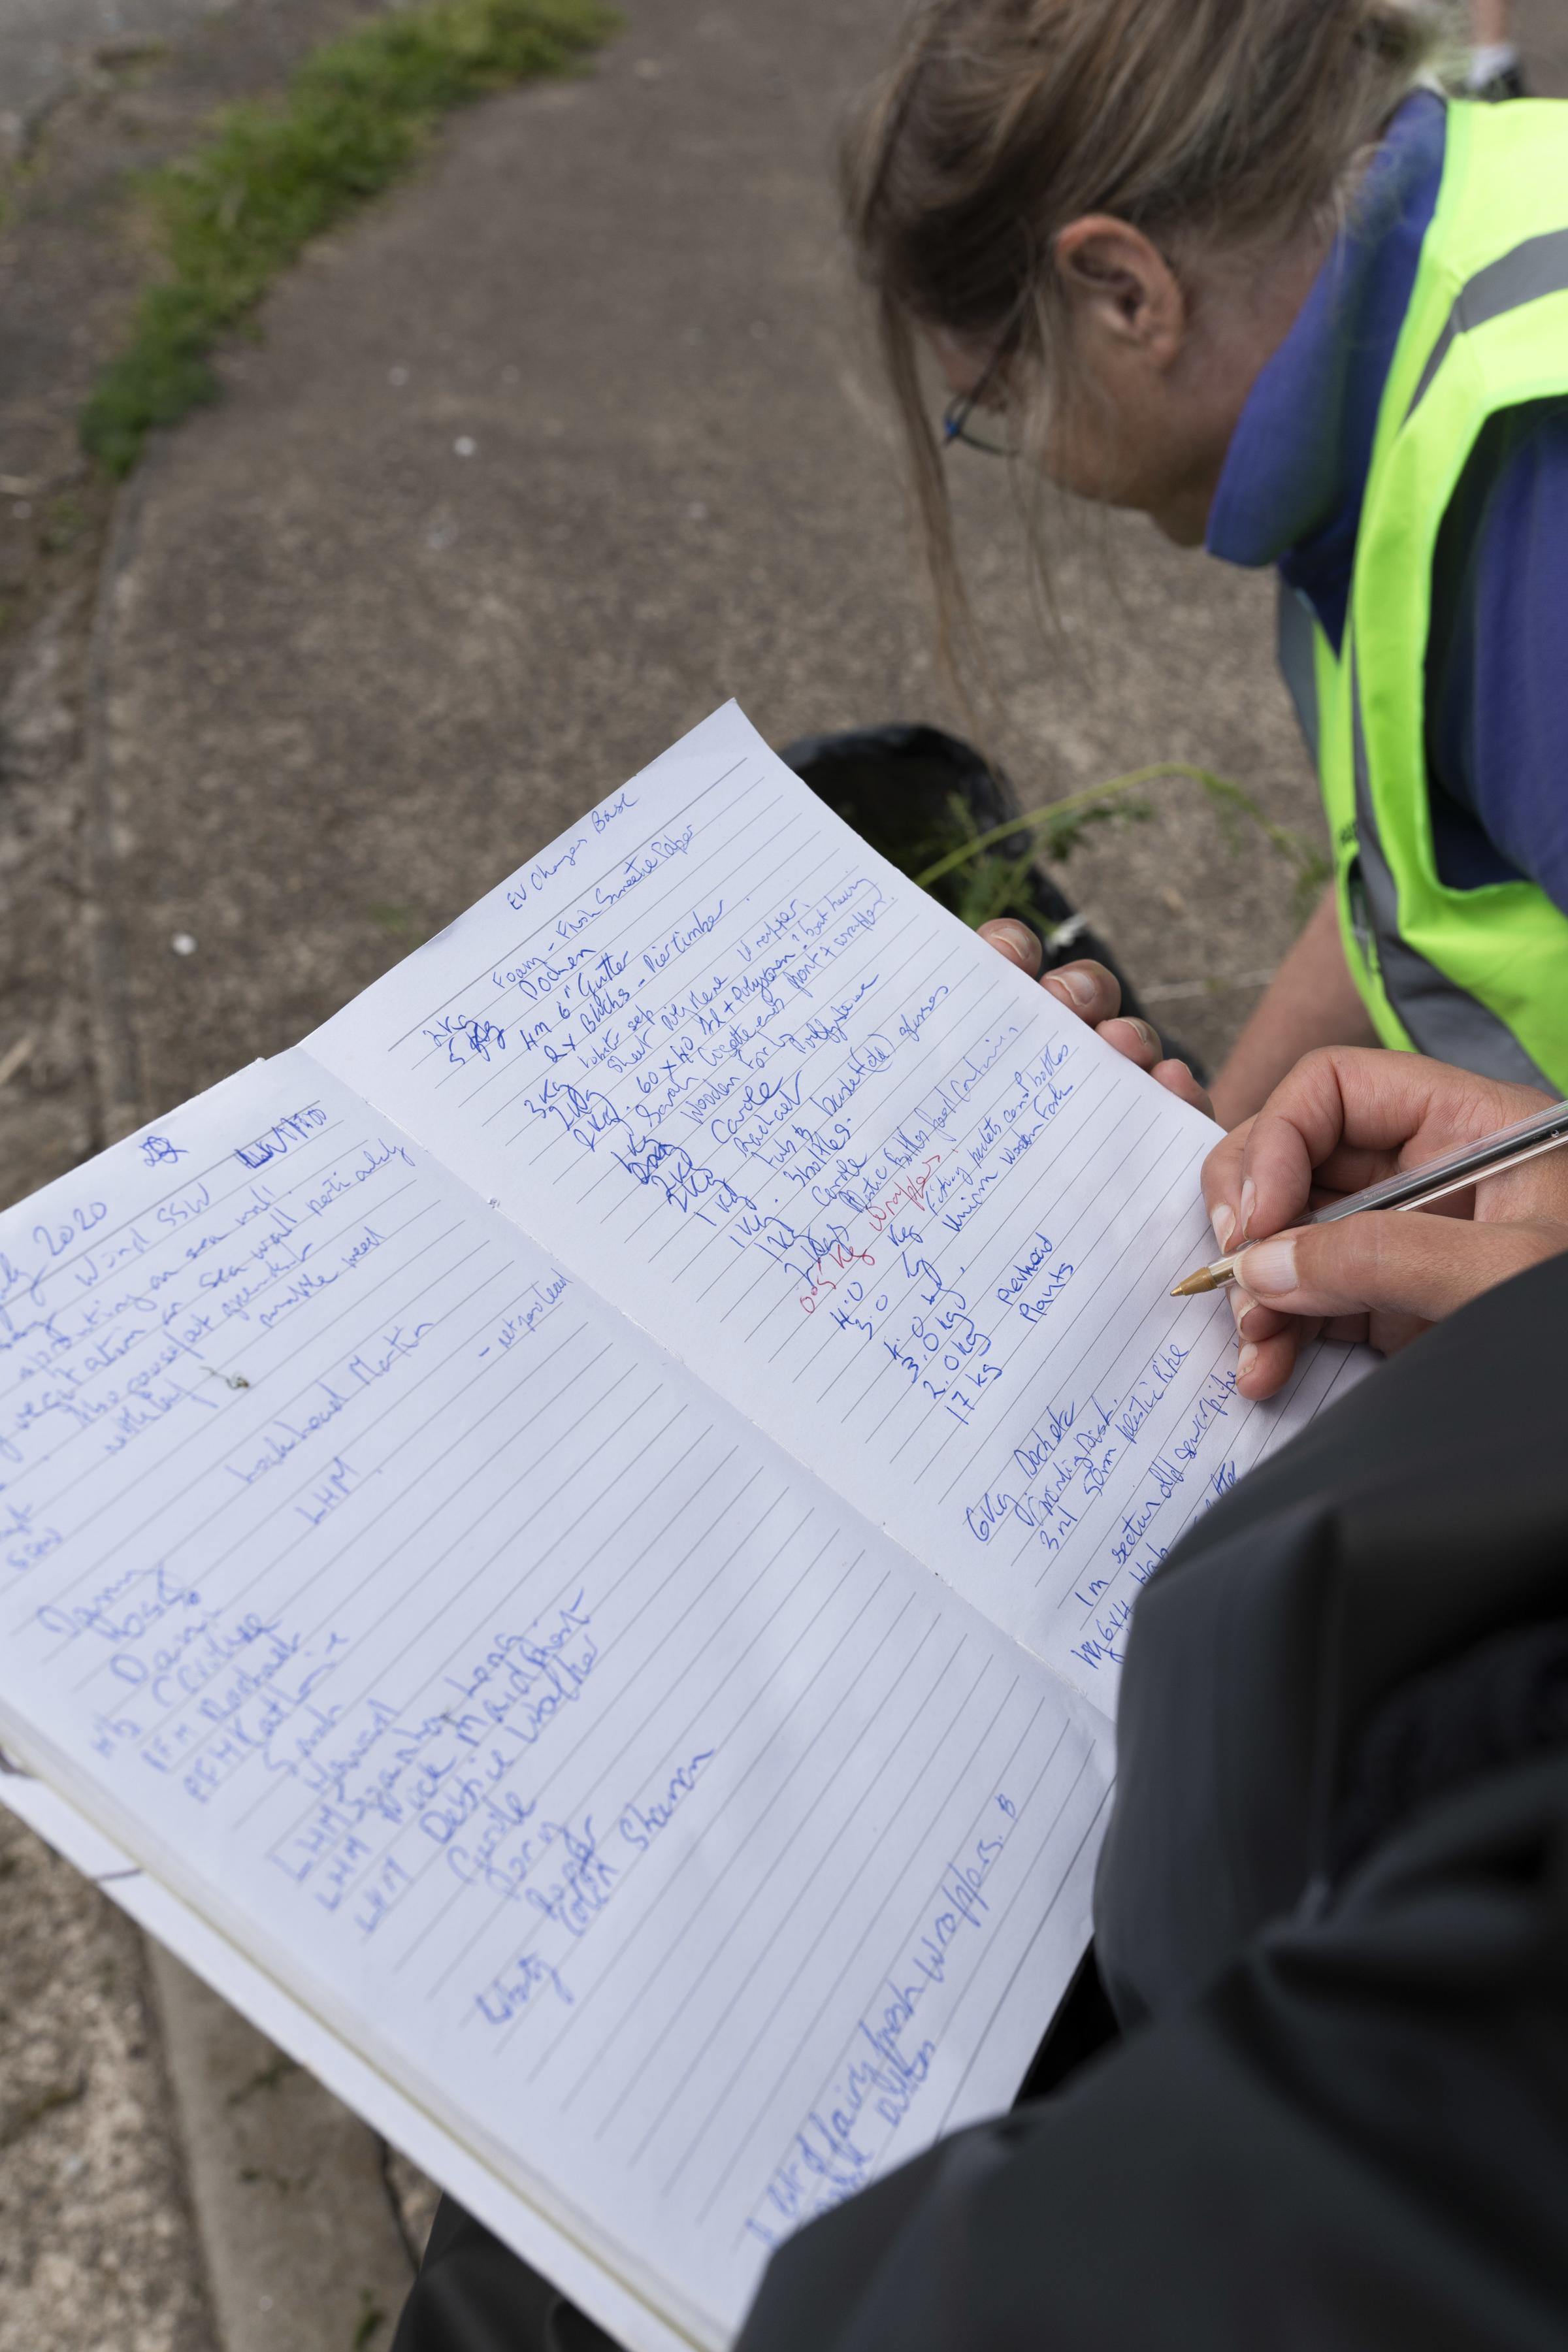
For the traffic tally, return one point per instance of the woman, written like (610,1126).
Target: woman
(1235,262)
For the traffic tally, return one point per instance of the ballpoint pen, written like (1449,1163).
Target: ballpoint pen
(1417,1188)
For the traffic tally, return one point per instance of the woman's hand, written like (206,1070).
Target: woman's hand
(1095,995)
(1346,1119)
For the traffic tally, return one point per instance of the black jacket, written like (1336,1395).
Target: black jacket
(1333,1911)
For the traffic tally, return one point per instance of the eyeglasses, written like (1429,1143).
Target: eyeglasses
(958,418)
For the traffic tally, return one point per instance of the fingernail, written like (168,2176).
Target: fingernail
(1013,939)
(1076,985)
(1248,1203)
(1245,1360)
(1241,1302)
(1268,1268)
(1222,1217)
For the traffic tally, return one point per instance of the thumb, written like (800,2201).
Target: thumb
(1407,1265)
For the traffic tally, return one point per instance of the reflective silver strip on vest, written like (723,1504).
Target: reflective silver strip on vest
(1297,646)
(1532,271)
(1440,1017)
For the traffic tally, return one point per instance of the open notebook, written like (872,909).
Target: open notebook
(577,1528)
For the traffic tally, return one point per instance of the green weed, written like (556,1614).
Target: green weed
(404,924)
(979,885)
(371,2318)
(277,2070)
(229,218)
(64,523)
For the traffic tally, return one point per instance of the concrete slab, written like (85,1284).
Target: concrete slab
(289,2189)
(98,2251)
(45,42)
(566,443)
(70,266)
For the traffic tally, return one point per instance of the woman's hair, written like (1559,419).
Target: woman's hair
(1224,123)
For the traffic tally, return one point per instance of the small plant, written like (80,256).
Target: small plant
(277,2070)
(371,2318)
(979,883)
(63,526)
(407,925)
(276,173)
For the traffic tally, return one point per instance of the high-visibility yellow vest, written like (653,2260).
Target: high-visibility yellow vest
(1479,977)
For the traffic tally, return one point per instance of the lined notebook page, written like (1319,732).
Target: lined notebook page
(854,1170)
(667,1834)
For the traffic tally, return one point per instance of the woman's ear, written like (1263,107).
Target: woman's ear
(1120,289)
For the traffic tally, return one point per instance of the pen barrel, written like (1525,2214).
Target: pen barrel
(1491,1156)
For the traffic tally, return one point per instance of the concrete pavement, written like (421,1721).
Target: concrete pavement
(303,2232)
(532,469)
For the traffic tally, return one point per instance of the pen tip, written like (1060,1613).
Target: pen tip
(1194,1284)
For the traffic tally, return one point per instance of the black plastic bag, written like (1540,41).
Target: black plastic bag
(897,786)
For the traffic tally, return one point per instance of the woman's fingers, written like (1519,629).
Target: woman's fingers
(1386,1262)
(1094,993)
(1135,1041)
(1016,941)
(1345,1117)
(1354,1116)
(1222,1183)
(1088,990)
(1274,1177)
(1253,1319)
(1177,1079)
(1263,1367)
(1348,1116)
(1140,1042)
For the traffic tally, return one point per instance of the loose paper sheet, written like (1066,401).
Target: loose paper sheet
(852,1168)
(675,1842)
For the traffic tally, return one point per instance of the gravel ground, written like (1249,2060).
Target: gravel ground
(97,2250)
